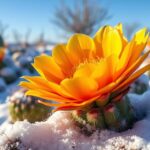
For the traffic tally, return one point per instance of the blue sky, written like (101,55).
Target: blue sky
(35,14)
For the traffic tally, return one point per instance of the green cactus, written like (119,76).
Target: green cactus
(117,116)
(23,107)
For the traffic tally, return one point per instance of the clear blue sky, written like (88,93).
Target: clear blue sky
(36,14)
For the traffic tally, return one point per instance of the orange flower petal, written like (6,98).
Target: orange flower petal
(132,68)
(61,57)
(133,77)
(38,82)
(48,95)
(81,105)
(80,47)
(123,39)
(101,73)
(111,43)
(105,70)
(85,70)
(42,84)
(50,70)
(140,41)
(98,41)
(107,89)
(80,87)
(123,61)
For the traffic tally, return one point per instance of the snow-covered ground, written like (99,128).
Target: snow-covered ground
(59,132)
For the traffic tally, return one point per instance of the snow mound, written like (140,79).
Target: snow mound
(60,133)
(3,112)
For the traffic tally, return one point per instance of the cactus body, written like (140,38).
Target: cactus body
(140,85)
(117,116)
(8,74)
(1,41)
(23,107)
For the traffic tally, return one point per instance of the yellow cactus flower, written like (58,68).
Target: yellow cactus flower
(2,53)
(88,70)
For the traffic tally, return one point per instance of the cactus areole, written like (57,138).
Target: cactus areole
(91,76)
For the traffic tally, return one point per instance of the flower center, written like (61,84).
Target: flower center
(86,68)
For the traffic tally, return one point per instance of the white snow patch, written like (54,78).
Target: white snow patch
(3,112)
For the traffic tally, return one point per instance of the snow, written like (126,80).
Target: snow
(60,133)
(3,113)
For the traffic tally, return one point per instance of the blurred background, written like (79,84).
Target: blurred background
(33,22)
(31,27)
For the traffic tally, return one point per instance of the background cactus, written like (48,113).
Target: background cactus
(8,70)
(2,51)
(23,107)
(141,85)
(1,41)
(117,116)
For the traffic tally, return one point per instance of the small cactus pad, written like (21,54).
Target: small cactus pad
(23,107)
(117,116)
